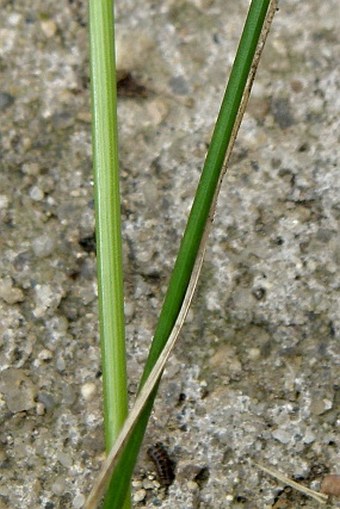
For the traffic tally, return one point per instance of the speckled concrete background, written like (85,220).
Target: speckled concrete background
(255,377)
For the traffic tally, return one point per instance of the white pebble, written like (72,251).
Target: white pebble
(9,293)
(254,353)
(139,495)
(144,256)
(14,19)
(78,501)
(136,484)
(36,193)
(49,27)
(4,201)
(88,390)
(47,297)
(43,246)
(64,459)
(148,485)
(40,409)
(309,437)
(157,110)
(282,436)
(59,486)
(129,308)
(45,355)
(192,485)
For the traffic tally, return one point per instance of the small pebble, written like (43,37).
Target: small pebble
(78,501)
(320,406)
(282,436)
(5,100)
(139,495)
(129,308)
(137,484)
(64,459)
(148,485)
(4,201)
(59,486)
(40,409)
(144,256)
(9,293)
(158,110)
(150,193)
(254,353)
(47,297)
(36,193)
(49,27)
(84,116)
(281,111)
(14,19)
(296,85)
(88,390)
(331,485)
(46,399)
(309,437)
(45,355)
(192,485)
(32,169)
(60,364)
(179,85)
(43,246)
(19,392)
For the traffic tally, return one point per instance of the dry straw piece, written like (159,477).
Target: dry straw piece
(320,497)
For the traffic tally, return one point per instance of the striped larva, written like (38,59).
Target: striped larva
(164,465)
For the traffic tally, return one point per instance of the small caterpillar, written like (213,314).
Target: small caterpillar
(164,465)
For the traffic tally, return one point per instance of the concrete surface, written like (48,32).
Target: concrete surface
(255,376)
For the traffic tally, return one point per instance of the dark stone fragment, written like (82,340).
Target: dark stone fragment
(179,85)
(88,243)
(259,293)
(202,476)
(281,112)
(6,100)
(46,399)
(128,86)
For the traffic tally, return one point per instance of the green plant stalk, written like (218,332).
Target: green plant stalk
(199,214)
(108,225)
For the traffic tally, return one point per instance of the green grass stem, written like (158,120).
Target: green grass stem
(192,237)
(108,225)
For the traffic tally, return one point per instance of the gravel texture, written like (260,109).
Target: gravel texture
(255,376)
